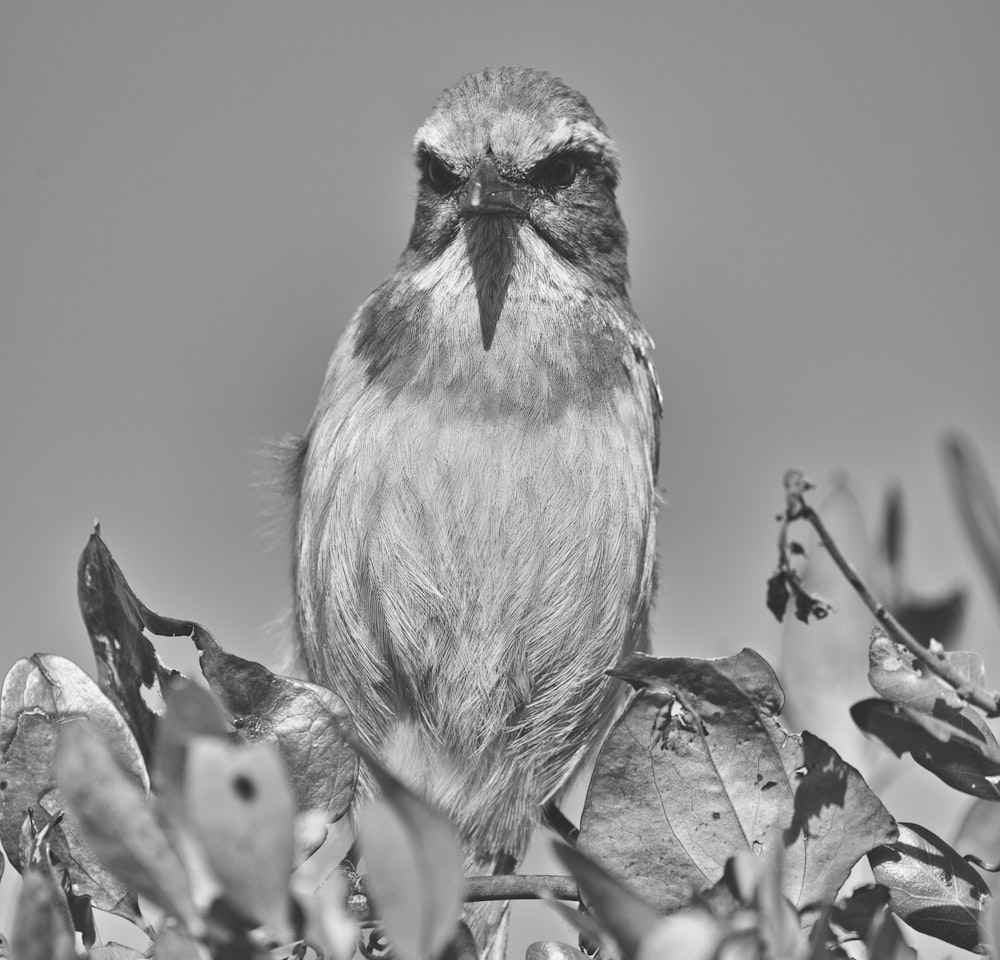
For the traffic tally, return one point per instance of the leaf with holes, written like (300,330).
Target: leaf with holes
(699,767)
(240,809)
(414,867)
(932,888)
(116,619)
(961,749)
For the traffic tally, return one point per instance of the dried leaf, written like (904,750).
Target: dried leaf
(240,808)
(126,660)
(624,914)
(778,595)
(703,768)
(42,930)
(414,867)
(119,825)
(309,723)
(899,677)
(932,888)
(960,749)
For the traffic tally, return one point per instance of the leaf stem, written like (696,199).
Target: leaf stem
(935,661)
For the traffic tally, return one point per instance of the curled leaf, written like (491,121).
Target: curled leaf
(960,749)
(932,888)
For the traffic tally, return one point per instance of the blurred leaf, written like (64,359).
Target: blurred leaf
(309,723)
(885,939)
(553,950)
(42,929)
(960,749)
(932,888)
(240,807)
(933,618)
(624,914)
(692,934)
(414,867)
(778,595)
(126,659)
(703,768)
(893,530)
(38,694)
(979,832)
(977,504)
(857,912)
(896,674)
(119,824)
(113,951)
(173,943)
(329,927)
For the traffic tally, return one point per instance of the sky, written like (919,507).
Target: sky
(195,196)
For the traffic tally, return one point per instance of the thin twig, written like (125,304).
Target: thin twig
(936,662)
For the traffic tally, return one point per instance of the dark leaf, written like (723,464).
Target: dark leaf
(126,659)
(961,749)
(893,529)
(42,930)
(414,867)
(898,676)
(777,595)
(977,504)
(885,940)
(704,768)
(119,825)
(239,807)
(309,724)
(857,913)
(624,914)
(932,888)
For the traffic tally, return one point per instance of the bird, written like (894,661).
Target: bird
(475,496)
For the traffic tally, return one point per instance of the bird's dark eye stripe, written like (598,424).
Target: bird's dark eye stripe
(436,172)
(559,170)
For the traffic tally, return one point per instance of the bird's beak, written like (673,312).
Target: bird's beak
(487,192)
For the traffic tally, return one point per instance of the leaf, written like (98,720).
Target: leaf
(414,867)
(977,504)
(856,913)
(329,927)
(933,618)
(932,888)
(310,725)
(692,934)
(896,674)
(126,659)
(979,832)
(886,942)
(778,595)
(553,950)
(240,808)
(893,529)
(42,930)
(39,693)
(703,768)
(961,749)
(624,914)
(119,824)
(113,951)
(173,943)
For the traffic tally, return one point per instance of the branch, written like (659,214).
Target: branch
(503,886)
(936,662)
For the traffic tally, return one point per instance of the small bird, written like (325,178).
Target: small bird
(475,496)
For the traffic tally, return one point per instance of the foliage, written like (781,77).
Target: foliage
(204,814)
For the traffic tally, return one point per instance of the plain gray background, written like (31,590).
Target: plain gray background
(195,196)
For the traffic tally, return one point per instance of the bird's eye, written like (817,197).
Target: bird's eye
(561,170)
(437,174)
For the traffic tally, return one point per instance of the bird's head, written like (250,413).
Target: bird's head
(514,157)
